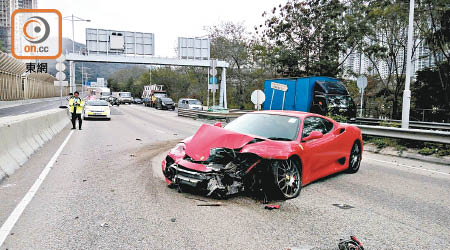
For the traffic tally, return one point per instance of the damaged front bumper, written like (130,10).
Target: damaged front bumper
(221,179)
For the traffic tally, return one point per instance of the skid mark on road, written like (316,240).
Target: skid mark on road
(407,166)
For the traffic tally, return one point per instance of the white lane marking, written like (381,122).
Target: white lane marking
(406,166)
(160,131)
(15,215)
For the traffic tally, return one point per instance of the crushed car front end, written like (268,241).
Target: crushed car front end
(225,172)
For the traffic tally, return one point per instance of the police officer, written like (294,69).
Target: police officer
(76,105)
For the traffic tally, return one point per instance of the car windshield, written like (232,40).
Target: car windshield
(195,102)
(275,127)
(338,101)
(166,100)
(97,103)
(160,94)
(137,99)
(105,93)
(125,94)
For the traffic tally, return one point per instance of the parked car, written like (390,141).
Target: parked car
(137,100)
(187,103)
(97,109)
(274,152)
(165,103)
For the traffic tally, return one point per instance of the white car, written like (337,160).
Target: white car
(186,103)
(97,109)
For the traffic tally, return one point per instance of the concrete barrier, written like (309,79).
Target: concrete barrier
(22,135)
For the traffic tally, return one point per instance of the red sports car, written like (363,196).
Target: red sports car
(276,152)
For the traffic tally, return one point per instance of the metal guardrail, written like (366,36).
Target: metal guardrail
(197,114)
(398,133)
(411,134)
(412,124)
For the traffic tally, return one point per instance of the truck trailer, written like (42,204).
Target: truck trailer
(317,94)
(151,93)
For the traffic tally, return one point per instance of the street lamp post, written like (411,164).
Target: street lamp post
(407,91)
(74,19)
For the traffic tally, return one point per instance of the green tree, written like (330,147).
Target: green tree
(307,37)
(437,38)
(229,42)
(385,45)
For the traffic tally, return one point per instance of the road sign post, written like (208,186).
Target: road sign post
(361,82)
(278,86)
(258,98)
(212,80)
(60,76)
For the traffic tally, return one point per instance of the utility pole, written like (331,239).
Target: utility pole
(407,91)
(74,19)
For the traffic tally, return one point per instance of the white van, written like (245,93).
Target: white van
(187,103)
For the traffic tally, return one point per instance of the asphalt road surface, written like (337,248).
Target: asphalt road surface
(31,107)
(106,191)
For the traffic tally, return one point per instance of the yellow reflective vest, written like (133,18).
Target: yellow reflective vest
(79,103)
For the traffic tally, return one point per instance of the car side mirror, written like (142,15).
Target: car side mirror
(313,135)
(218,124)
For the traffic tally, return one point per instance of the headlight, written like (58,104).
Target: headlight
(178,149)
(163,104)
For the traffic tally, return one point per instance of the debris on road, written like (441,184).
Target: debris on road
(271,207)
(138,139)
(84,180)
(104,224)
(8,185)
(76,217)
(209,205)
(132,155)
(304,247)
(351,244)
(343,206)
(197,199)
(173,219)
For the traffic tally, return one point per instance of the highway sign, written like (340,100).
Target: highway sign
(63,83)
(60,66)
(60,76)
(213,71)
(213,80)
(258,97)
(279,86)
(119,41)
(361,82)
(193,48)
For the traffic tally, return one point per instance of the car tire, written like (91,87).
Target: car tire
(287,179)
(354,160)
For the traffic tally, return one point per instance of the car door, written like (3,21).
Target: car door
(318,152)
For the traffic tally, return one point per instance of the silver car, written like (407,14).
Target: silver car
(187,103)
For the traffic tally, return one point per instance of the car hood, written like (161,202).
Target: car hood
(208,137)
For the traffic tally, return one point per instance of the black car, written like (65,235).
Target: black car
(137,101)
(165,103)
(113,100)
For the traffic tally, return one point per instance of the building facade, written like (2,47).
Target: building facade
(359,64)
(6,9)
